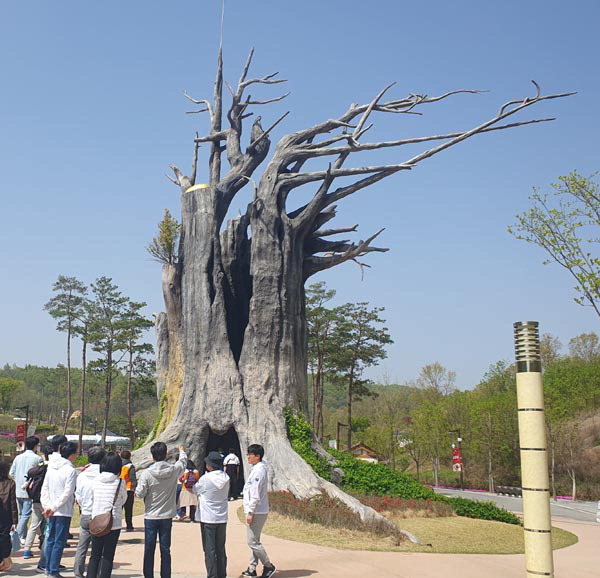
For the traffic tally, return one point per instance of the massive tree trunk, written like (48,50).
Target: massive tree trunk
(232,343)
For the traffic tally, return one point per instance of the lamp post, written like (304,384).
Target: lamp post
(534,453)
(337,438)
(26,408)
(457,460)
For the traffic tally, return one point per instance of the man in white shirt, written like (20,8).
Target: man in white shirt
(212,490)
(256,508)
(232,469)
(18,472)
(58,503)
(84,497)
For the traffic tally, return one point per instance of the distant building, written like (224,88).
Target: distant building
(113,441)
(363,452)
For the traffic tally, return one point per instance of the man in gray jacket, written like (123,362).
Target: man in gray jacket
(157,486)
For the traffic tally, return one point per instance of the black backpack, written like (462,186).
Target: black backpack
(35,479)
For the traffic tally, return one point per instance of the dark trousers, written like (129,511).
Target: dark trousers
(162,529)
(233,484)
(128,507)
(213,544)
(103,554)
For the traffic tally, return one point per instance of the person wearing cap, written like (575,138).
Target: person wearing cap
(212,490)
(256,508)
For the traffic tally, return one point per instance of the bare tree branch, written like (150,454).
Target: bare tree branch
(330,232)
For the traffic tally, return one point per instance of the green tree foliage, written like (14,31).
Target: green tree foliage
(436,380)
(108,335)
(67,307)
(163,247)
(585,346)
(8,389)
(138,365)
(361,343)
(320,322)
(565,224)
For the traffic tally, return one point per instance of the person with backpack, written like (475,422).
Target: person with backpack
(130,480)
(232,469)
(84,497)
(18,473)
(35,479)
(187,498)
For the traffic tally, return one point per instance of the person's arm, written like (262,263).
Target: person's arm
(13,468)
(12,501)
(132,476)
(142,487)
(122,497)
(45,494)
(181,462)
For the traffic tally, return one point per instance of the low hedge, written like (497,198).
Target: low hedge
(479,510)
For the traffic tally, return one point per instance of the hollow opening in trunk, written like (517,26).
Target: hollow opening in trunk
(225,444)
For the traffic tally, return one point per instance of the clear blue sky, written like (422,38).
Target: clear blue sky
(92,114)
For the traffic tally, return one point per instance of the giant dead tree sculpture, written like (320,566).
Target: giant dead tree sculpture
(232,343)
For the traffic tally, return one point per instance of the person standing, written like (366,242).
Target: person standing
(187,498)
(256,508)
(84,497)
(212,490)
(8,515)
(18,472)
(109,493)
(232,469)
(35,480)
(58,502)
(130,480)
(157,486)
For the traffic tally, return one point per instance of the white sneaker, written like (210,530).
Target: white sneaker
(176,518)
(22,540)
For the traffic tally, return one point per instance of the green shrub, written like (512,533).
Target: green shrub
(378,479)
(479,510)
(81,461)
(300,435)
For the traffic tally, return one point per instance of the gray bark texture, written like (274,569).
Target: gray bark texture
(232,343)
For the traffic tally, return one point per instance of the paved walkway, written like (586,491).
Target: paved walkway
(297,560)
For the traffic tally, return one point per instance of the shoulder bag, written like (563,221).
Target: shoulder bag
(101,524)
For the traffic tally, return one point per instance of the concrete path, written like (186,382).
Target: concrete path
(297,560)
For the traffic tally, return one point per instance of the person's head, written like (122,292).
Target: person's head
(4,469)
(46,450)
(213,461)
(159,451)
(96,454)
(69,450)
(125,455)
(255,453)
(112,463)
(231,451)
(57,441)
(32,442)
(190,465)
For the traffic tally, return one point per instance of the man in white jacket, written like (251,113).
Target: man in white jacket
(212,490)
(58,502)
(84,497)
(256,508)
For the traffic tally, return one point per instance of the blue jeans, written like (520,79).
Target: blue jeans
(25,507)
(162,528)
(56,538)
